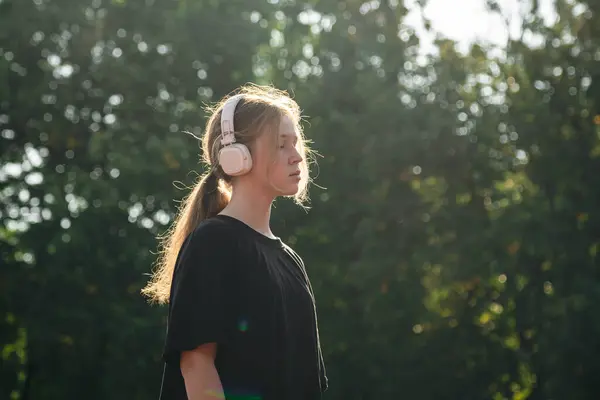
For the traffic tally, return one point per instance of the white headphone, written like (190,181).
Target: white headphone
(234,157)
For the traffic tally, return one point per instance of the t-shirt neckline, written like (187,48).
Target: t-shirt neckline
(276,242)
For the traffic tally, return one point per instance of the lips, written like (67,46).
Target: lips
(297,173)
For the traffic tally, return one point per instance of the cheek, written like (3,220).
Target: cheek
(277,166)
(260,160)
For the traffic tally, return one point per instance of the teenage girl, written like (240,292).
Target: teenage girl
(242,318)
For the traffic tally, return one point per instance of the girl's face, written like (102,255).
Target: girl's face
(278,160)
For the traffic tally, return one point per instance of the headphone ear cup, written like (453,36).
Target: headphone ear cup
(235,159)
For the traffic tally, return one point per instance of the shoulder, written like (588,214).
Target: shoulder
(209,245)
(211,239)
(212,232)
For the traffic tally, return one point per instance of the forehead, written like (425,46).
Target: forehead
(287,127)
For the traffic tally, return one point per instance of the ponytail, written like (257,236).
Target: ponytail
(208,198)
(211,197)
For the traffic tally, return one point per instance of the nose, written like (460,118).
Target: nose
(295,158)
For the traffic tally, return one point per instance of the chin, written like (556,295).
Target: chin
(289,190)
(285,187)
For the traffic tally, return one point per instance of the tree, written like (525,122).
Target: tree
(453,233)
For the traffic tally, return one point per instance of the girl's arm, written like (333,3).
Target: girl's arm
(202,381)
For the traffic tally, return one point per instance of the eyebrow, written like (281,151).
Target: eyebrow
(288,135)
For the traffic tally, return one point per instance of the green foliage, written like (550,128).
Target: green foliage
(453,237)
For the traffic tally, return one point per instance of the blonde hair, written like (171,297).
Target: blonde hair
(259,110)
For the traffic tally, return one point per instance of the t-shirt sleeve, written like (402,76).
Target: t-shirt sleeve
(200,290)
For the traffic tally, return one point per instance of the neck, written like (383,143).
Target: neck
(250,206)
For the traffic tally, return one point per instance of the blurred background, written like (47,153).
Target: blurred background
(454,232)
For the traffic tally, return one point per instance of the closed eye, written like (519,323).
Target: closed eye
(287,143)
(288,139)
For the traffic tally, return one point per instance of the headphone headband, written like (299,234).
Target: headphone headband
(227,128)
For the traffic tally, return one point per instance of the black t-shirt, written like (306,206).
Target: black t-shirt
(251,295)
